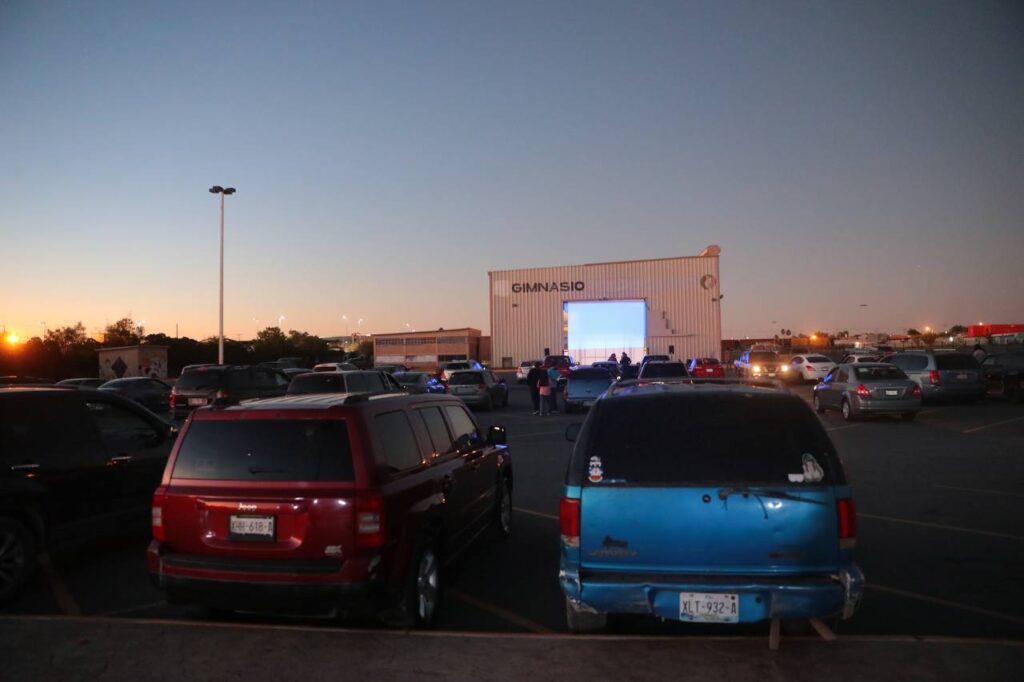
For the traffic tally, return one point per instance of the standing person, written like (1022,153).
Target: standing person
(553,376)
(533,380)
(544,392)
(612,358)
(625,361)
(979,353)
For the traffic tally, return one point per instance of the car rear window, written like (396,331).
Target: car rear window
(457,365)
(317,382)
(817,358)
(201,379)
(591,373)
(408,377)
(656,370)
(879,373)
(466,378)
(955,361)
(702,439)
(265,450)
(707,361)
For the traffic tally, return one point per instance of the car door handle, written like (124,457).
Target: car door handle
(120,459)
(24,467)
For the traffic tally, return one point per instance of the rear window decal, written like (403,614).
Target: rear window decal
(812,470)
(595,471)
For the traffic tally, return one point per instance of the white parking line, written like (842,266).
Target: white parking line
(513,618)
(535,513)
(977,490)
(989,426)
(959,529)
(944,602)
(60,591)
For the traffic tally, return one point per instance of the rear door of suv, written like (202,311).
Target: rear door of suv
(672,485)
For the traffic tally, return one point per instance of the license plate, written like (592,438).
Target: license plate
(465,389)
(709,607)
(251,528)
(197,401)
(892,392)
(961,376)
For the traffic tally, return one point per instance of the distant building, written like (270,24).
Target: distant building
(133,361)
(426,350)
(999,333)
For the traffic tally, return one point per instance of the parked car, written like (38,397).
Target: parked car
(358,381)
(855,359)
(759,364)
(808,368)
(1003,374)
(705,368)
(630,372)
(197,366)
(81,383)
(584,386)
(663,369)
(447,368)
(419,382)
(74,466)
(391,369)
(231,383)
(609,366)
(868,389)
(942,374)
(152,394)
(479,387)
(653,358)
(340,503)
(563,363)
(283,363)
(524,368)
(708,503)
(292,372)
(334,367)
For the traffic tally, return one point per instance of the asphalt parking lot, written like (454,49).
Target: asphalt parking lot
(941,537)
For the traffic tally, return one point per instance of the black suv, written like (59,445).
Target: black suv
(1003,375)
(152,394)
(74,464)
(233,383)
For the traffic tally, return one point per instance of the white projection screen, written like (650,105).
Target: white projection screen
(599,328)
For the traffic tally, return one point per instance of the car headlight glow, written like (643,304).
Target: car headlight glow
(756,368)
(785,368)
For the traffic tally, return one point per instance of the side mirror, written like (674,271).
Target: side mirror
(496,435)
(572,431)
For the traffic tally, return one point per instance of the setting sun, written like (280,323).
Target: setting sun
(12,339)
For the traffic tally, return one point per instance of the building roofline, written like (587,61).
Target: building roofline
(138,345)
(588,265)
(429,331)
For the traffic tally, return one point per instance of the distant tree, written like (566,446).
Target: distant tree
(65,340)
(124,332)
(271,344)
(913,332)
(306,345)
(366,349)
(957,329)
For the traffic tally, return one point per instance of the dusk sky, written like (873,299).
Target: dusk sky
(387,155)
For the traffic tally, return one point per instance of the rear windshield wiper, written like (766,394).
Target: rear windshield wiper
(744,490)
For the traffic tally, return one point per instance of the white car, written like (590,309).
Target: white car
(854,359)
(524,368)
(809,367)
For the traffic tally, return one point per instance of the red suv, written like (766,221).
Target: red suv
(706,367)
(333,502)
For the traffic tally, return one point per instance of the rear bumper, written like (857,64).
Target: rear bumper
(881,406)
(302,586)
(937,392)
(760,597)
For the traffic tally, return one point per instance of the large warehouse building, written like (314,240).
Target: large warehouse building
(664,306)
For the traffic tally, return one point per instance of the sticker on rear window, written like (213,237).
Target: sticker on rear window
(595,471)
(812,472)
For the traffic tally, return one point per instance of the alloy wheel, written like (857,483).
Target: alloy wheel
(427,586)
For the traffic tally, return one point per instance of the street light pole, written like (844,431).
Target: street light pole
(222,191)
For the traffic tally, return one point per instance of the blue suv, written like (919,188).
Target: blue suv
(708,503)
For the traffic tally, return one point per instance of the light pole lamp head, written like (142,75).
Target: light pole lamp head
(216,189)
(229,190)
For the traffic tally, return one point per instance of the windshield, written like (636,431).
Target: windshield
(879,373)
(664,370)
(763,356)
(265,450)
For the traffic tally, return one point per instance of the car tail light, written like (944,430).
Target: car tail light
(173,399)
(569,521)
(370,532)
(158,516)
(482,387)
(846,512)
(863,392)
(933,377)
(221,394)
(916,392)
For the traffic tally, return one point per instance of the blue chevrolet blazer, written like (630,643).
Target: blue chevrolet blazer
(707,503)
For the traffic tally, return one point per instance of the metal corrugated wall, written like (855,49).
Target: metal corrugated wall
(681,295)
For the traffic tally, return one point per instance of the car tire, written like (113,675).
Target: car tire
(909,416)
(847,410)
(422,594)
(580,621)
(17,557)
(503,509)
(817,405)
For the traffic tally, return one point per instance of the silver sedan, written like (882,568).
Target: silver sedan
(868,388)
